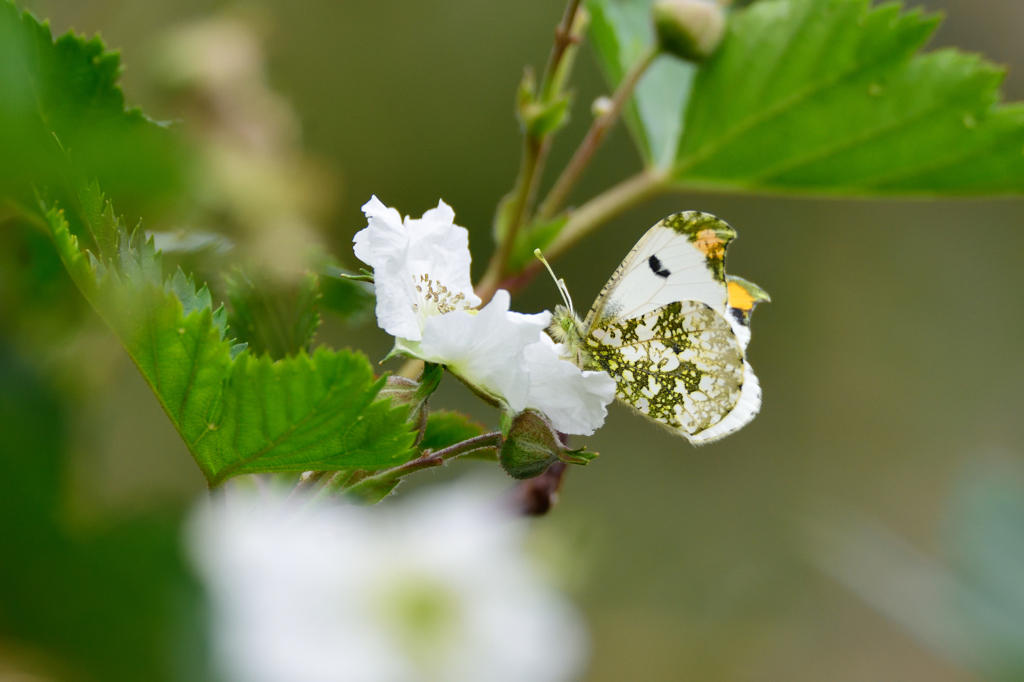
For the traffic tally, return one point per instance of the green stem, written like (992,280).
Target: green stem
(354,483)
(429,460)
(602,208)
(535,151)
(595,136)
(586,219)
(564,38)
(528,168)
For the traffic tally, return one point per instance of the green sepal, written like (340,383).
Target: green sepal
(544,118)
(414,395)
(532,445)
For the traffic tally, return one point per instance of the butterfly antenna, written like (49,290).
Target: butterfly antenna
(562,288)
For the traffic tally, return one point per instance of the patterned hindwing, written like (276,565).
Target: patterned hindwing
(680,365)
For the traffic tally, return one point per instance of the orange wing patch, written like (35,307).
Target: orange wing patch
(744,296)
(740,298)
(710,244)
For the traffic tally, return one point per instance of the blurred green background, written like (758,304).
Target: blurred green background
(890,357)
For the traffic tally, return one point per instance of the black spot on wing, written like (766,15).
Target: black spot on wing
(656,267)
(740,316)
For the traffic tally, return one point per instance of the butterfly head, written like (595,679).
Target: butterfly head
(566,327)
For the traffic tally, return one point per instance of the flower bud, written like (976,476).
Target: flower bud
(602,106)
(403,391)
(690,29)
(532,445)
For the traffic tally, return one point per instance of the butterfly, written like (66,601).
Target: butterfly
(672,329)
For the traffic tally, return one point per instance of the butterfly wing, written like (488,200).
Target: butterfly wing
(680,365)
(743,298)
(682,258)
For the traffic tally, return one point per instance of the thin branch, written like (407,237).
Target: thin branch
(352,482)
(528,167)
(432,459)
(564,38)
(602,208)
(535,150)
(595,136)
(306,484)
(583,221)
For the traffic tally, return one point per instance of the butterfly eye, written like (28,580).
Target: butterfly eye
(567,323)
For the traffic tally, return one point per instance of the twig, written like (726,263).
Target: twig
(353,483)
(563,39)
(535,150)
(584,220)
(605,206)
(595,136)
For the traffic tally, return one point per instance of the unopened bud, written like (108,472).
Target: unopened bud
(532,445)
(601,106)
(403,391)
(691,29)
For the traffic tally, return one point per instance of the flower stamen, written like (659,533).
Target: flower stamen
(437,299)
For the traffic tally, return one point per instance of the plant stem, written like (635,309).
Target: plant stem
(595,136)
(584,220)
(605,206)
(306,484)
(528,167)
(564,37)
(434,459)
(356,482)
(535,151)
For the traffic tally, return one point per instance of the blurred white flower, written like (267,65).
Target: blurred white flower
(420,267)
(574,401)
(436,588)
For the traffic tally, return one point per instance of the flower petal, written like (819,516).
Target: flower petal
(574,400)
(403,253)
(486,348)
(384,236)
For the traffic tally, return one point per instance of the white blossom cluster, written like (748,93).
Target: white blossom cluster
(425,300)
(436,588)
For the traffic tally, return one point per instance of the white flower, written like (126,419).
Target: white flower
(433,589)
(574,401)
(486,348)
(425,300)
(420,267)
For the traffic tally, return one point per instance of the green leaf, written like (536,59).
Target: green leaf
(621,32)
(236,413)
(63,122)
(446,428)
(829,96)
(272,316)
